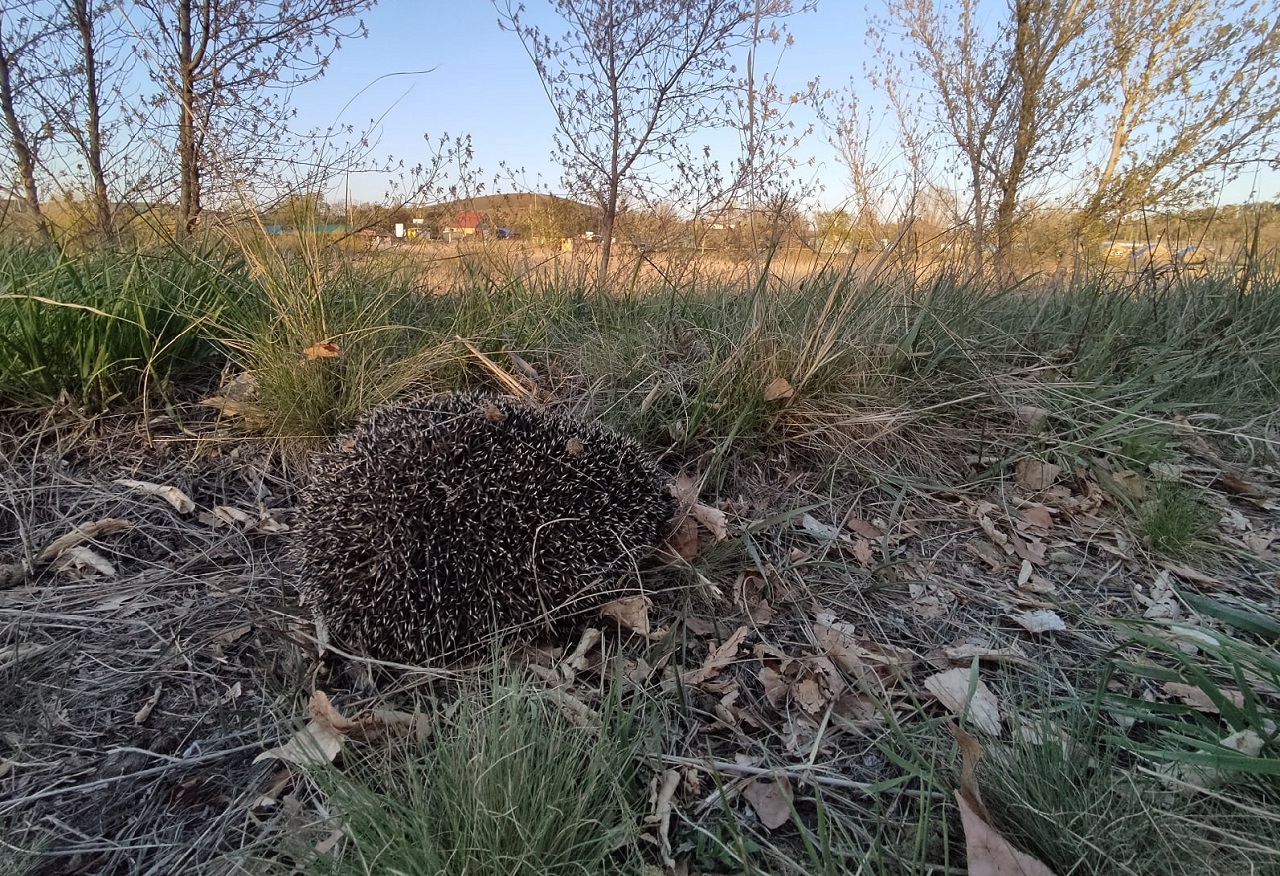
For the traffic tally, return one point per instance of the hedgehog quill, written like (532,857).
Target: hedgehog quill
(444,521)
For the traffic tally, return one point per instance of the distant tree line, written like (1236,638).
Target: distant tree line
(973,119)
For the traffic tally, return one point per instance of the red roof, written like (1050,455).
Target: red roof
(469,219)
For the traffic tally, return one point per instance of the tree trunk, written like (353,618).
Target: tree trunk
(188,159)
(22,151)
(93,126)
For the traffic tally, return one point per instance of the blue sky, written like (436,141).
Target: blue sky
(480,82)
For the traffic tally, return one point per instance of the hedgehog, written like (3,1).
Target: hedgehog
(442,522)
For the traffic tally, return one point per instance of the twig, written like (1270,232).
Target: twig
(10,805)
(801,776)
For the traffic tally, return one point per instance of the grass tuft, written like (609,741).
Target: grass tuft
(505,784)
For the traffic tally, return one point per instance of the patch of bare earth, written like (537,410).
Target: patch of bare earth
(142,664)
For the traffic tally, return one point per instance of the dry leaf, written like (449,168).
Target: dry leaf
(749,593)
(631,612)
(1037,515)
(317,743)
(662,805)
(175,497)
(864,528)
(685,489)
(1197,699)
(19,651)
(1041,621)
(987,552)
(1163,604)
(713,519)
(775,685)
(322,350)
(145,712)
(771,800)
(823,531)
(987,852)
(267,522)
(861,659)
(778,388)
(80,534)
(522,366)
(232,516)
(718,659)
(1031,416)
(990,854)
(952,689)
(808,695)
(81,558)
(863,553)
(684,541)
(1036,475)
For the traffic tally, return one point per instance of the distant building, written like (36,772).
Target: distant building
(467,223)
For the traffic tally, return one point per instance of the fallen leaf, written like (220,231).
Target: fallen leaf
(1128,483)
(662,799)
(80,534)
(964,652)
(322,350)
(522,366)
(81,558)
(1031,416)
(1165,471)
(1041,621)
(145,712)
(864,528)
(1037,515)
(631,612)
(19,651)
(749,592)
(175,497)
(267,522)
(1032,549)
(987,852)
(965,695)
(713,519)
(823,531)
(863,553)
(863,660)
(1163,603)
(685,489)
(808,695)
(319,741)
(1035,475)
(718,659)
(771,798)
(1197,699)
(778,388)
(775,685)
(684,540)
(987,552)
(232,516)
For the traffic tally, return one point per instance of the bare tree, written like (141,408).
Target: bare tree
(629,81)
(1187,88)
(763,173)
(1007,98)
(225,66)
(1045,99)
(22,33)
